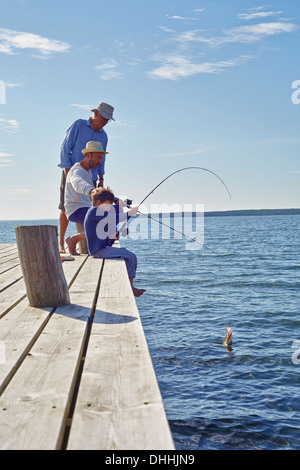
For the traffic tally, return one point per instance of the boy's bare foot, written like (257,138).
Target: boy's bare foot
(71,246)
(61,248)
(138,292)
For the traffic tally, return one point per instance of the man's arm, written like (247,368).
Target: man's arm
(67,146)
(100,172)
(101,181)
(79,183)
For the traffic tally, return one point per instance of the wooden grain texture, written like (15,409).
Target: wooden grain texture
(35,404)
(20,325)
(41,265)
(9,259)
(10,277)
(79,376)
(119,396)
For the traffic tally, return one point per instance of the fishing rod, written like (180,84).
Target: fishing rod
(129,202)
(183,169)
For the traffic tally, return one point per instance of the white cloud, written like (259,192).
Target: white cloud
(12,85)
(110,74)
(175,17)
(17,194)
(5,48)
(107,71)
(240,34)
(6,159)
(179,63)
(11,125)
(258,14)
(166,30)
(257,32)
(12,42)
(178,66)
(107,64)
(87,107)
(186,154)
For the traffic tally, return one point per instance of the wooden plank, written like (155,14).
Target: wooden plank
(11,276)
(13,288)
(11,252)
(6,246)
(8,255)
(11,297)
(34,407)
(22,324)
(9,264)
(119,396)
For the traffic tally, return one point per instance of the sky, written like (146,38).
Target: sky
(214,84)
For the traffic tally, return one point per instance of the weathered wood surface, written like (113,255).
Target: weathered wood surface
(78,376)
(39,256)
(118,387)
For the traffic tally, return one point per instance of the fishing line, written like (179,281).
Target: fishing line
(178,231)
(159,184)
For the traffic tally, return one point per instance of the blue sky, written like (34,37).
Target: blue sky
(193,83)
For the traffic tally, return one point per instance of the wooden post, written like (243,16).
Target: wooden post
(82,245)
(45,282)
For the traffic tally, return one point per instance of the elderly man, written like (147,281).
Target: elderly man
(80,132)
(78,188)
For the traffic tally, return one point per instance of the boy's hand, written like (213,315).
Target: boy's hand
(133,211)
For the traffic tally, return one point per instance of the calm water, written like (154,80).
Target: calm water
(247,397)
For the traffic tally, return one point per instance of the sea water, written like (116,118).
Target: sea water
(246,275)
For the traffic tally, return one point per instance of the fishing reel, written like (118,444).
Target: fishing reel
(127,202)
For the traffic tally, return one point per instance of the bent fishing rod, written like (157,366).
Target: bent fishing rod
(183,169)
(129,202)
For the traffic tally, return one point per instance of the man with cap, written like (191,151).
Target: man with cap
(78,188)
(81,132)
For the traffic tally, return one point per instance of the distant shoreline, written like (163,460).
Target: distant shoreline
(243,212)
(232,213)
(254,212)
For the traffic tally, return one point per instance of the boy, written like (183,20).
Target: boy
(100,226)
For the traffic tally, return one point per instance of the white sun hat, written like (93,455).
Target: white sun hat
(106,110)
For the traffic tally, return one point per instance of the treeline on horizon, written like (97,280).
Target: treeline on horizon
(244,212)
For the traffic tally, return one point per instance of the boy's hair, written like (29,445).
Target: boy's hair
(102,195)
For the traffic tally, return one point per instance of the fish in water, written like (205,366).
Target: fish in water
(229,334)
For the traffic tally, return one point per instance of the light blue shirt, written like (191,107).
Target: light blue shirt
(76,138)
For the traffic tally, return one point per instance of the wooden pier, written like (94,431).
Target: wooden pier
(78,376)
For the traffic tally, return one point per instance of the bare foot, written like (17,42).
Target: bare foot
(71,246)
(61,248)
(138,292)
